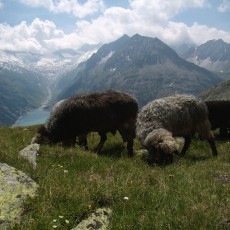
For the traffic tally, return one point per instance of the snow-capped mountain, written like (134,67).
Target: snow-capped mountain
(27,79)
(213,55)
(49,65)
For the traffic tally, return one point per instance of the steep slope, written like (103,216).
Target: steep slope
(213,55)
(20,91)
(145,67)
(219,92)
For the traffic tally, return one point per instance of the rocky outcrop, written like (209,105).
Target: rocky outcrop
(29,153)
(15,186)
(100,219)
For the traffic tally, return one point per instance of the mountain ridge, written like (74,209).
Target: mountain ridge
(213,55)
(143,66)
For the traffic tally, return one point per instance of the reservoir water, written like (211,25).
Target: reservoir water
(34,117)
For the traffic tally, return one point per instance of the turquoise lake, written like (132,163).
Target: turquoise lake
(34,117)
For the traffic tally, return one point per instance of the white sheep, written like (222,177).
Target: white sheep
(175,116)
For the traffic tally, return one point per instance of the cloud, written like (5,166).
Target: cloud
(163,10)
(148,18)
(33,37)
(90,7)
(224,6)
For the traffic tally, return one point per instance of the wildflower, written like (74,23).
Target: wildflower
(125,198)
(54,221)
(171,176)
(54,226)
(60,217)
(67,221)
(66,171)
(89,206)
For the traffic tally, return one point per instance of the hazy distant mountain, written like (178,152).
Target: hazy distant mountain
(26,78)
(145,67)
(214,55)
(50,65)
(20,91)
(220,92)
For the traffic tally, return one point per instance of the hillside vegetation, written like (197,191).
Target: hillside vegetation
(192,193)
(20,91)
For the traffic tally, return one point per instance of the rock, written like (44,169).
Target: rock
(30,153)
(100,219)
(15,186)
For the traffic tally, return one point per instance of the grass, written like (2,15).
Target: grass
(189,194)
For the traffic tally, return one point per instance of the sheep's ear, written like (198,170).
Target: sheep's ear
(149,140)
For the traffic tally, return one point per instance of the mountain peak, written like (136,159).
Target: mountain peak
(143,66)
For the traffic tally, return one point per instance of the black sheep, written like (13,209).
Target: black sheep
(100,112)
(219,116)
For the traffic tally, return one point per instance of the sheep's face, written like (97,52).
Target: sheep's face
(161,145)
(42,136)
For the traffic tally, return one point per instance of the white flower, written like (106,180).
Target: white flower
(125,198)
(54,226)
(66,171)
(60,217)
(54,221)
(67,221)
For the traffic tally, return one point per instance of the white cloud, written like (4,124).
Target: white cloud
(159,10)
(224,6)
(148,18)
(90,7)
(31,37)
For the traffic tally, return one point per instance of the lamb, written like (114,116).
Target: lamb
(163,119)
(100,112)
(219,116)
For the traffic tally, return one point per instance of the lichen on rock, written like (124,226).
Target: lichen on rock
(15,186)
(100,219)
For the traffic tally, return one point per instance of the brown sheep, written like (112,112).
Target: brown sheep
(100,112)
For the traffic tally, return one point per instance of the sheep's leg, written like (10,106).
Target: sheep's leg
(212,144)
(82,141)
(130,147)
(102,141)
(128,139)
(187,141)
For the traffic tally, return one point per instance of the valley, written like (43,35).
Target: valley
(142,66)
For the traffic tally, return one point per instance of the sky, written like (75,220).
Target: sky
(44,26)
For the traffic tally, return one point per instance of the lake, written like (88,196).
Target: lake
(33,117)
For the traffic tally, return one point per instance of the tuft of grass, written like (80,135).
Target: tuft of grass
(189,194)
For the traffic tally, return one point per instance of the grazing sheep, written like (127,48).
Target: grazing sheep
(163,119)
(82,140)
(99,112)
(219,116)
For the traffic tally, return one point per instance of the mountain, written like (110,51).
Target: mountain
(26,79)
(20,91)
(213,55)
(50,65)
(143,66)
(219,92)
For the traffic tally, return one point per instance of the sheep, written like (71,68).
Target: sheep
(219,116)
(82,139)
(100,112)
(163,119)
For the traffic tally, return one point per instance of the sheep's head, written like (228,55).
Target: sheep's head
(42,136)
(161,145)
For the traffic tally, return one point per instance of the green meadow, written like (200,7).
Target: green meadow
(192,193)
